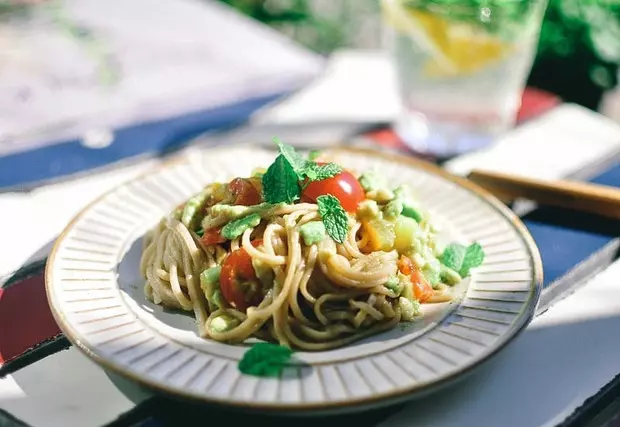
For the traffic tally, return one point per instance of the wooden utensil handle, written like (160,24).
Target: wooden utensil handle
(600,199)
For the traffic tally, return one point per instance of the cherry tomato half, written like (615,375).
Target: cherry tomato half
(343,186)
(238,281)
(211,237)
(246,191)
(422,290)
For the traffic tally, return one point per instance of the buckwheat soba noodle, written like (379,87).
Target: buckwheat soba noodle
(304,253)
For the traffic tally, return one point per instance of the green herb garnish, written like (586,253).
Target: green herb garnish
(293,158)
(237,227)
(334,217)
(462,259)
(265,360)
(315,172)
(473,258)
(280,182)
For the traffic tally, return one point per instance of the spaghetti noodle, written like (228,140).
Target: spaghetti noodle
(335,264)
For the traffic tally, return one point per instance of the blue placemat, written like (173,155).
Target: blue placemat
(66,158)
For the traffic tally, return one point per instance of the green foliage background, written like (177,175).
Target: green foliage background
(578,55)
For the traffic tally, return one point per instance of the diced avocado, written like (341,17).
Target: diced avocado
(405,229)
(449,276)
(393,208)
(393,284)
(409,309)
(210,284)
(229,211)
(371,180)
(210,276)
(402,192)
(431,271)
(223,323)
(192,208)
(406,285)
(312,232)
(381,195)
(263,272)
(217,299)
(237,227)
(368,209)
(411,212)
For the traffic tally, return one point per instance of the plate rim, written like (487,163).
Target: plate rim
(376,399)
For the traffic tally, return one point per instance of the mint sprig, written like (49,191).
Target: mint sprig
(280,182)
(265,360)
(334,217)
(462,258)
(297,162)
(315,172)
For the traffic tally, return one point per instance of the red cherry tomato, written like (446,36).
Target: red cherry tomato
(246,191)
(211,237)
(238,281)
(422,290)
(343,186)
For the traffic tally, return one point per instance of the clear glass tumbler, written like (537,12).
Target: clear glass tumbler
(461,67)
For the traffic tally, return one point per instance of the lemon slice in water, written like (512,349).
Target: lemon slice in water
(454,48)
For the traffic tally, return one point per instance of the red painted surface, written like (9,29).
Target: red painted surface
(25,317)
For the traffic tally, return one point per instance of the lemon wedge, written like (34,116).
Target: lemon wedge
(454,48)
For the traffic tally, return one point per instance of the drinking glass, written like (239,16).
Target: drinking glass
(461,67)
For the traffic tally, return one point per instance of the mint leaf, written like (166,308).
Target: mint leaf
(453,256)
(237,227)
(265,360)
(473,258)
(316,172)
(334,217)
(280,182)
(297,162)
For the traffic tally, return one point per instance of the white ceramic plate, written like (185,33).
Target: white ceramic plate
(96,294)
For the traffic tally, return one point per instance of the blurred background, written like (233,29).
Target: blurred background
(85,84)
(577,57)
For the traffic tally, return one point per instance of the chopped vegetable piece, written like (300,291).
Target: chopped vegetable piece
(238,280)
(192,208)
(212,237)
(394,285)
(393,208)
(237,227)
(246,191)
(381,234)
(312,232)
(422,290)
(223,323)
(371,180)
(406,230)
(411,212)
(449,276)
(409,309)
